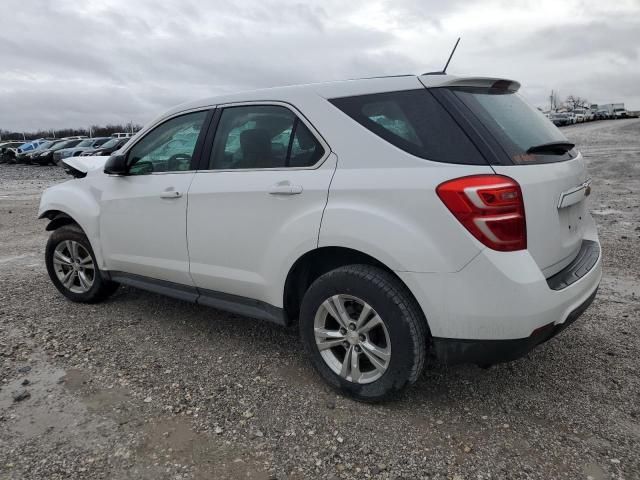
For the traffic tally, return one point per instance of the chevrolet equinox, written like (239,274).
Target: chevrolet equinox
(389,218)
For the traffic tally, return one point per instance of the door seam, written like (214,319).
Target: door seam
(186,231)
(327,199)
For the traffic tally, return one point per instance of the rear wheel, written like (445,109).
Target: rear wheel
(364,332)
(72,266)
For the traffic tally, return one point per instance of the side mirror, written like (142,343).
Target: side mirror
(116,165)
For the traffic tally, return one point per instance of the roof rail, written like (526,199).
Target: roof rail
(384,76)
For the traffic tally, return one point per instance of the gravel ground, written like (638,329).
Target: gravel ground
(146,387)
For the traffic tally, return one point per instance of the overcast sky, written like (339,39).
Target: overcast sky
(79,62)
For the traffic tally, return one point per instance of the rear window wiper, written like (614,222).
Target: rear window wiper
(556,148)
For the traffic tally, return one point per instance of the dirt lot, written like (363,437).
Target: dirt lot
(145,387)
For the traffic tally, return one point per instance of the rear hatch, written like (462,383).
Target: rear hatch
(527,147)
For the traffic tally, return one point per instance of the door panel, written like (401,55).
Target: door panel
(144,213)
(246,228)
(143,225)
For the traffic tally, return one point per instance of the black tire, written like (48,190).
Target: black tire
(402,317)
(101,288)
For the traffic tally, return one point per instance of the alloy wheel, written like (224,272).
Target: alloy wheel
(74,266)
(352,338)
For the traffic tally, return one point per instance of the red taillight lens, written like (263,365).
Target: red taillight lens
(490,207)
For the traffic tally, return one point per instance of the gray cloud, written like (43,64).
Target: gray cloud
(69,63)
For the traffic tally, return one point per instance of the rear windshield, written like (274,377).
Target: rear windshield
(516,125)
(414,121)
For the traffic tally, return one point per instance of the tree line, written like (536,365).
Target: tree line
(93,131)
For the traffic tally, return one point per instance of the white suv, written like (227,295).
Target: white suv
(390,218)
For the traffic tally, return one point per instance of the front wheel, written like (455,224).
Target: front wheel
(72,266)
(364,332)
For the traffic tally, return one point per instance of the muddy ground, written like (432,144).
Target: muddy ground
(145,387)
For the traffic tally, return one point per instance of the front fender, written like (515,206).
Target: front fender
(70,198)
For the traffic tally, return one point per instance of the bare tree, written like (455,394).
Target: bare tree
(574,101)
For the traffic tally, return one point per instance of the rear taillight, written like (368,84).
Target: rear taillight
(490,207)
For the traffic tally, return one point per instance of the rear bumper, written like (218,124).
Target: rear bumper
(500,305)
(488,352)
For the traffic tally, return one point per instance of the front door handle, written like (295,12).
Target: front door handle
(170,194)
(285,189)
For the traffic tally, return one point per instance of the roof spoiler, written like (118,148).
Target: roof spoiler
(480,82)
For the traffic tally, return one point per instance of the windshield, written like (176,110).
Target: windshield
(55,144)
(516,125)
(60,145)
(86,143)
(111,143)
(68,144)
(100,141)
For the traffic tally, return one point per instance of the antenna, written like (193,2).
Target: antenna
(444,70)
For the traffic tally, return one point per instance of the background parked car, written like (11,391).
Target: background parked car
(580,115)
(560,118)
(25,156)
(8,151)
(45,157)
(30,145)
(83,146)
(107,148)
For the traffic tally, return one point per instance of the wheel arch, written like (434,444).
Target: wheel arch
(57,219)
(314,263)
(66,204)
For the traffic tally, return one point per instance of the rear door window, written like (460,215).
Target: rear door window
(305,149)
(262,136)
(415,122)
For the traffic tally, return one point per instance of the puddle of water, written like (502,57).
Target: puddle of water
(594,471)
(174,438)
(47,411)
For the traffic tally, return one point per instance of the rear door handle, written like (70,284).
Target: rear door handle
(170,194)
(285,189)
